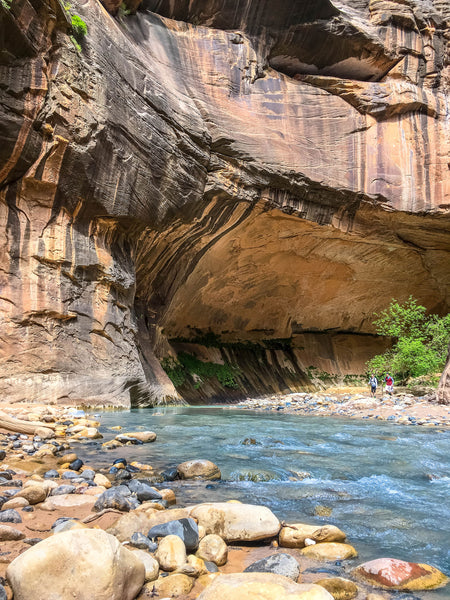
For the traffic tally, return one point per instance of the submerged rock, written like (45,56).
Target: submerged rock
(198,469)
(329,551)
(339,588)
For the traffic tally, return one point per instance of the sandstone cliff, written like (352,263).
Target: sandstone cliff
(266,173)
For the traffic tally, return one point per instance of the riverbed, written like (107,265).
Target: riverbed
(387,486)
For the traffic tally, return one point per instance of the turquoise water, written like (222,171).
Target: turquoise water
(373,475)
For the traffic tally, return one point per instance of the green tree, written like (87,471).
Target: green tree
(420,341)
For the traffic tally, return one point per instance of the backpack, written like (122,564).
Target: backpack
(389,381)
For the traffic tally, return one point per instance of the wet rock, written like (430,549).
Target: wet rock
(143,436)
(151,565)
(143,490)
(294,536)
(114,498)
(236,522)
(394,574)
(171,553)
(261,585)
(339,588)
(198,469)
(82,564)
(279,564)
(329,551)
(10,516)
(76,464)
(170,474)
(213,549)
(186,529)
(141,541)
(8,534)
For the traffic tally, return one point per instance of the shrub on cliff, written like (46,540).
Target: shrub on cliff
(420,340)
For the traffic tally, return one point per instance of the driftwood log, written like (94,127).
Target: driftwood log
(19,426)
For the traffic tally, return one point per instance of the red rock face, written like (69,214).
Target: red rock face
(253,174)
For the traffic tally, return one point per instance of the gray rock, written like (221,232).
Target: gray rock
(186,529)
(63,489)
(279,564)
(143,490)
(212,567)
(3,595)
(70,475)
(141,541)
(52,474)
(114,498)
(10,516)
(88,474)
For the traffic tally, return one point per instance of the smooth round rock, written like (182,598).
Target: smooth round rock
(34,494)
(171,553)
(173,586)
(82,564)
(10,534)
(143,490)
(150,563)
(329,551)
(294,536)
(76,464)
(279,564)
(339,588)
(394,574)
(212,548)
(51,474)
(253,586)
(15,503)
(236,522)
(113,498)
(145,437)
(198,469)
(10,516)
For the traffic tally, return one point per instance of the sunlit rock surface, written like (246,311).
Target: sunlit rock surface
(252,171)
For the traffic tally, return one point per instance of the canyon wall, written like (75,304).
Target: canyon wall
(265,174)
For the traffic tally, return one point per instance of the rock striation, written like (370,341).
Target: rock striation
(267,175)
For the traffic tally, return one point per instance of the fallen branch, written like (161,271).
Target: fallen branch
(100,514)
(19,426)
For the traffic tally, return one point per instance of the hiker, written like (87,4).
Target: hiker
(373,382)
(389,380)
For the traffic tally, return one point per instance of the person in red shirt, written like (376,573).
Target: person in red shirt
(389,381)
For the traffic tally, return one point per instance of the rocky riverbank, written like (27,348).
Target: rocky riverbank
(402,408)
(85,532)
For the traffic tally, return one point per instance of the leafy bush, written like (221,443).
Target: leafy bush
(79,27)
(420,340)
(188,366)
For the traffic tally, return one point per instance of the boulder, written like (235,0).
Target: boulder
(212,548)
(114,498)
(394,574)
(172,586)
(294,536)
(329,551)
(186,529)
(10,534)
(279,564)
(171,553)
(34,494)
(82,564)
(252,586)
(339,588)
(150,563)
(236,522)
(198,469)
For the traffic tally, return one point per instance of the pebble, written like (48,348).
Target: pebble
(10,516)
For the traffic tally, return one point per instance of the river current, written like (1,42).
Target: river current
(387,485)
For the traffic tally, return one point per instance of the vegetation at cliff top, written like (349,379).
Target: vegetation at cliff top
(6,4)
(188,367)
(420,341)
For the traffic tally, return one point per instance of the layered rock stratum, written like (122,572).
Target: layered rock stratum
(262,174)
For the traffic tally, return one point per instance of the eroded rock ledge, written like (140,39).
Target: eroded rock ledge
(254,173)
